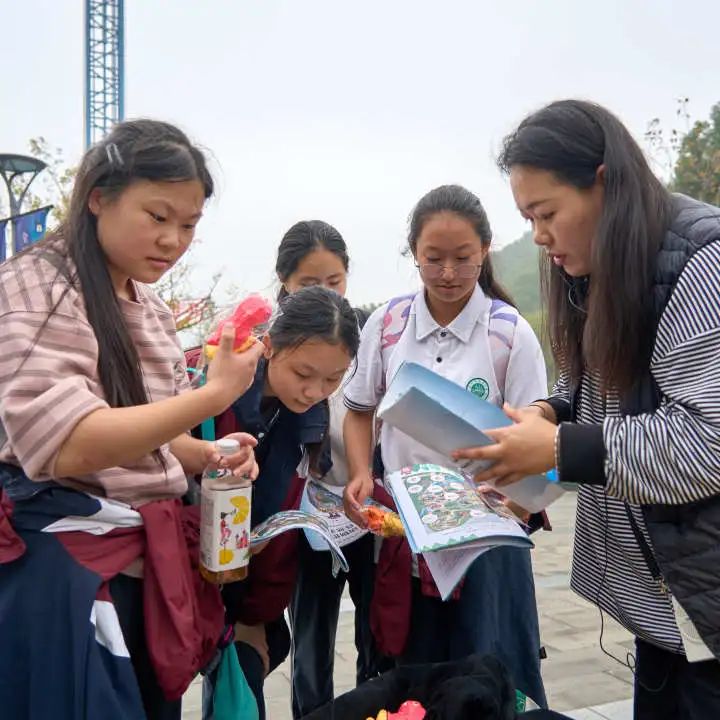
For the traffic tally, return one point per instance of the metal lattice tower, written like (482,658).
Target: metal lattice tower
(104,67)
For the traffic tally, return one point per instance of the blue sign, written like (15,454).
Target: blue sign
(3,246)
(28,228)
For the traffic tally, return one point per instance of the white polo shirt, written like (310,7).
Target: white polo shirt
(338,474)
(459,352)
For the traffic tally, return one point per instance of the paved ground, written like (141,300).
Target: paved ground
(579,678)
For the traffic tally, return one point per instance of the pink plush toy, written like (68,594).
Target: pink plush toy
(410,710)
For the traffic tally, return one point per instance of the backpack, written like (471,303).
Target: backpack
(501,332)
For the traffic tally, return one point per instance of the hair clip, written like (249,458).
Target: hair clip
(114,157)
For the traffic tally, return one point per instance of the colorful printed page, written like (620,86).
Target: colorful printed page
(324,502)
(298,520)
(441,509)
(445,417)
(447,522)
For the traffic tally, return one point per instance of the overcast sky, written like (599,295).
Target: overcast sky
(349,112)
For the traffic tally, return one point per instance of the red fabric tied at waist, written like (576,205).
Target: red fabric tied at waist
(391,605)
(12,545)
(184,615)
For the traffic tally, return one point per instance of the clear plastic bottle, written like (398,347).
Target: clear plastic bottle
(225,503)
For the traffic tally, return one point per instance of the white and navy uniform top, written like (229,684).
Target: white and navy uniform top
(670,456)
(338,473)
(460,352)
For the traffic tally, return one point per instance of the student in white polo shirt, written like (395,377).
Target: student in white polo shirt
(464,327)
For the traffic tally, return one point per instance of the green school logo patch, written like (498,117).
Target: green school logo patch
(479,387)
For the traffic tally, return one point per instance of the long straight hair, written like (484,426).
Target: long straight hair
(133,150)
(602,323)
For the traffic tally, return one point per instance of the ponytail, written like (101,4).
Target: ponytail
(490,286)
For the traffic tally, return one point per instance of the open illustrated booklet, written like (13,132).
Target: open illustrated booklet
(326,502)
(445,417)
(298,520)
(448,522)
(444,517)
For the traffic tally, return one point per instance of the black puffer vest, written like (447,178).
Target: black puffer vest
(685,538)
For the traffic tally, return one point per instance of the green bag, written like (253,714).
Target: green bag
(233,699)
(523,703)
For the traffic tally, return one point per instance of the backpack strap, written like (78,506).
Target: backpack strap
(501,333)
(395,320)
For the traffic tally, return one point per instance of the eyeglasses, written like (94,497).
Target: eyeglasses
(434,271)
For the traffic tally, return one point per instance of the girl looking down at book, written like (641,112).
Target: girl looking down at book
(94,411)
(462,325)
(308,350)
(311,253)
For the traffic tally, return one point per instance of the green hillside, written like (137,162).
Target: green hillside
(516,266)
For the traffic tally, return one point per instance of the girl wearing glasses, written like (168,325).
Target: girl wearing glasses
(449,330)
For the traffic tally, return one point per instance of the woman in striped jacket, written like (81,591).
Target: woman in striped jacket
(632,281)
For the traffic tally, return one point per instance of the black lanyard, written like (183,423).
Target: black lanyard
(650,395)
